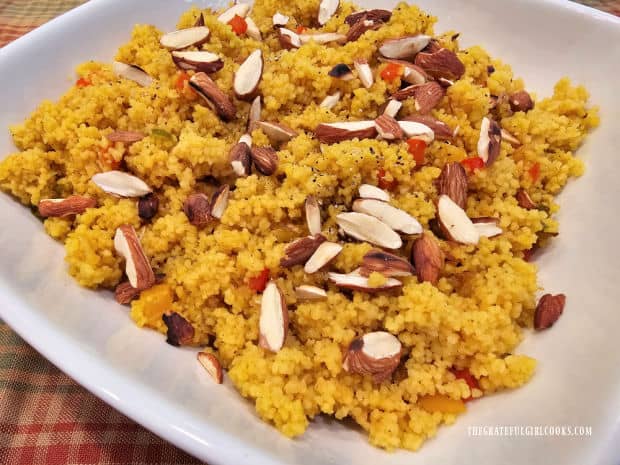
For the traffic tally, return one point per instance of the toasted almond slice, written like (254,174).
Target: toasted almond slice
(239,9)
(412,74)
(440,129)
(322,38)
(341,71)
(288,39)
(455,223)
(442,64)
(521,101)
(426,96)
(524,200)
(417,131)
(487,226)
(313,215)
(219,201)
(490,140)
(200,21)
(395,218)
(372,192)
(330,101)
(327,9)
(373,15)
(358,282)
(330,133)
(387,264)
(453,182)
(183,38)
(254,114)
(249,75)
(124,293)
(276,132)
(197,208)
(253,31)
(361,27)
(132,72)
(265,160)
(364,73)
(307,292)
(240,159)
(404,47)
(137,266)
(388,128)
(120,183)
(375,354)
(180,331)
(370,229)
(279,19)
(548,311)
(212,365)
(72,205)
(273,321)
(392,107)
(325,253)
(213,95)
(127,137)
(508,137)
(300,250)
(246,139)
(197,61)
(427,258)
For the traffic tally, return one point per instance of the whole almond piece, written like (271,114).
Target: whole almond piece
(137,266)
(404,47)
(330,133)
(388,128)
(427,258)
(300,250)
(248,76)
(72,205)
(489,142)
(440,129)
(521,101)
(288,39)
(213,95)
(219,201)
(180,331)
(313,215)
(524,200)
(121,183)
(212,365)
(426,95)
(376,354)
(548,310)
(197,207)
(323,255)
(355,281)
(275,131)
(273,320)
(183,38)
(360,28)
(368,228)
(387,264)
(441,64)
(455,223)
(240,159)
(265,160)
(453,182)
(133,73)
(197,61)
(125,293)
(373,15)
(127,137)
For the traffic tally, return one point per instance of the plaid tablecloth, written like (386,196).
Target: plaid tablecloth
(45,417)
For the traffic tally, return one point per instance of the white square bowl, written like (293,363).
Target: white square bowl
(92,339)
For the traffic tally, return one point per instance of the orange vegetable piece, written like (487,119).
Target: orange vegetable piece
(441,403)
(535,171)
(301,29)
(83,82)
(384,183)
(391,72)
(466,376)
(472,164)
(152,304)
(107,160)
(238,24)
(259,282)
(417,148)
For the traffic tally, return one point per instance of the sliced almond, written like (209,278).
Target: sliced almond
(219,201)
(276,132)
(279,19)
(487,226)
(324,254)
(412,74)
(239,9)
(548,311)
(414,130)
(367,191)
(357,282)
(361,27)
(197,208)
(180,331)
(453,182)
(265,160)
(120,183)
(330,101)
(440,129)
(125,293)
(197,61)
(132,72)
(59,208)
(427,258)
(184,38)
(387,264)
(395,218)
(313,215)
(442,64)
(240,159)
(307,292)
(327,9)
(273,321)
(388,128)
(490,140)
(127,137)
(249,75)
(288,39)
(212,365)
(299,251)
(364,73)
(455,223)
(213,95)
(512,140)
(521,101)
(254,114)
(426,96)
(404,47)
(137,266)
(341,71)
(200,21)
(373,15)
(370,229)
(392,107)
(330,133)
(253,31)
(375,354)
(322,38)
(246,139)
(524,200)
